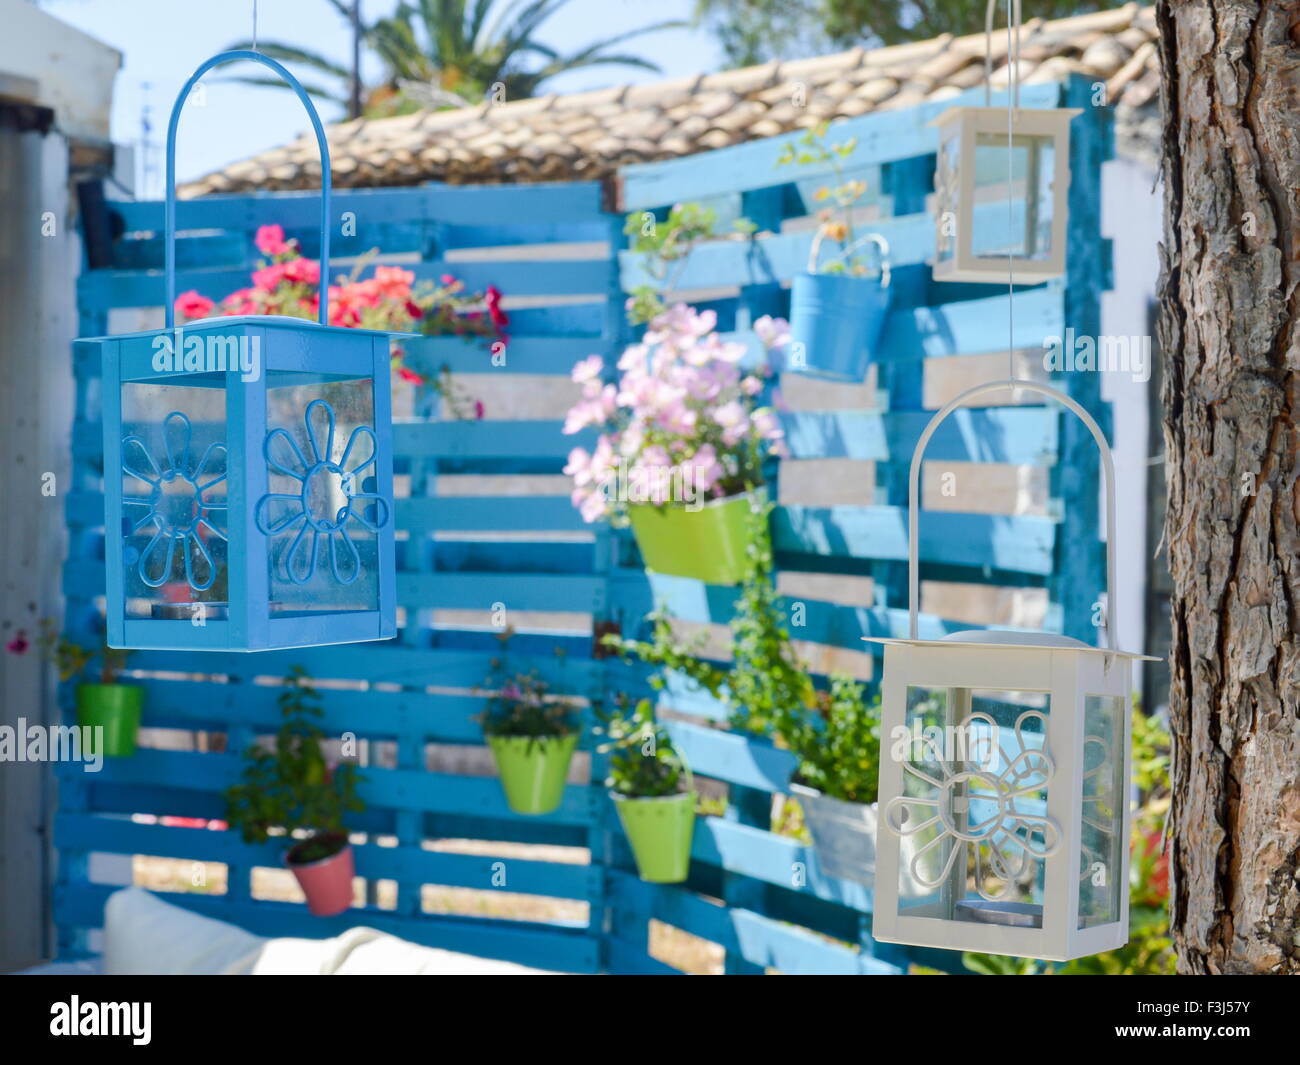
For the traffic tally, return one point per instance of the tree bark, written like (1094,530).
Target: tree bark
(1228,314)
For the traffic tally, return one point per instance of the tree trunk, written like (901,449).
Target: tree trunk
(1228,315)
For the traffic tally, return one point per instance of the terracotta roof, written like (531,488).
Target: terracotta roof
(588,135)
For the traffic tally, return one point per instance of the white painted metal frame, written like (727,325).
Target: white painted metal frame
(1067,671)
(964,124)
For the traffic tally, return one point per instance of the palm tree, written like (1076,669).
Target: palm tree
(440,53)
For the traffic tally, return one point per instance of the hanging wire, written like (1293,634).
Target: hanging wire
(254,25)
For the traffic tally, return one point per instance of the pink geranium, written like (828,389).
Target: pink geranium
(391,300)
(682,419)
(270,241)
(192,305)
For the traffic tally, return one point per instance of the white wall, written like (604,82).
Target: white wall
(1131,211)
(73,73)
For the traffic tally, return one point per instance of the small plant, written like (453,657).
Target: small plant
(665,247)
(521,704)
(71,659)
(643,763)
(812,148)
(291,787)
(838,744)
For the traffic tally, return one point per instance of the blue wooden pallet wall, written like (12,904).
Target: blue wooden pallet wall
(759,896)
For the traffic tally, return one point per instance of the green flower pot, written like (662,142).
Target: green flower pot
(116,709)
(707,544)
(533,770)
(659,831)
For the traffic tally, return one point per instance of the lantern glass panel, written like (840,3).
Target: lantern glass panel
(174,489)
(973,810)
(1103,794)
(322,512)
(1013,196)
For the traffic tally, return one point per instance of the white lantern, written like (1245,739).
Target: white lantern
(1002,184)
(1004,776)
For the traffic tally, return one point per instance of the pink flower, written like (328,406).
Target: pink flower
(589,369)
(302,271)
(18,645)
(479,409)
(192,305)
(734,421)
(270,240)
(392,282)
(269,277)
(773,332)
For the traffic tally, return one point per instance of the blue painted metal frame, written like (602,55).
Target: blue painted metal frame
(777,909)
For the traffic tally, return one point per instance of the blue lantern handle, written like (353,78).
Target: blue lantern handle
(169,210)
(914,493)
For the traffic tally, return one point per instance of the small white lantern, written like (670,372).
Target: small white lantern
(1004,822)
(1002,184)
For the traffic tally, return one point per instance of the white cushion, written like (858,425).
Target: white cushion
(144,935)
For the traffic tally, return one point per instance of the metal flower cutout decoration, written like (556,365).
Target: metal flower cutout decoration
(178,504)
(328,501)
(986,807)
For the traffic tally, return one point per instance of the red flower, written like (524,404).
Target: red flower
(492,297)
(302,271)
(192,305)
(269,277)
(409,376)
(270,240)
(18,645)
(414,310)
(479,409)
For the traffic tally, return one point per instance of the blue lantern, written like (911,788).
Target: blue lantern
(248,476)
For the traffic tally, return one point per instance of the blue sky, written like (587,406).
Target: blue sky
(162,41)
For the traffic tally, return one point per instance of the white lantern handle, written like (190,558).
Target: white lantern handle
(914,493)
(1013,50)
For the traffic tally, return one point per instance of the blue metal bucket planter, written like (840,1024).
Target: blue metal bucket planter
(836,321)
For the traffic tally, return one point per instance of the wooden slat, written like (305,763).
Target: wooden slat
(882,137)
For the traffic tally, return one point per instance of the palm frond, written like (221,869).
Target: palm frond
(288,53)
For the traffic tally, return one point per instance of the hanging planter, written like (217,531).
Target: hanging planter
(532,735)
(659,831)
(292,788)
(645,774)
(533,770)
(683,441)
(114,708)
(836,319)
(843,833)
(708,543)
(324,867)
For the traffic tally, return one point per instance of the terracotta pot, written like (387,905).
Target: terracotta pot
(327,882)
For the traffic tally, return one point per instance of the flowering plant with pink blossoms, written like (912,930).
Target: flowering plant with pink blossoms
(391,300)
(682,425)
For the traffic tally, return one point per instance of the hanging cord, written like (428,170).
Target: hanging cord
(1013,105)
(254,25)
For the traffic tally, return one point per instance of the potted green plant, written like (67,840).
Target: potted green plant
(664,246)
(837,310)
(292,788)
(532,735)
(838,746)
(646,781)
(105,704)
(681,446)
